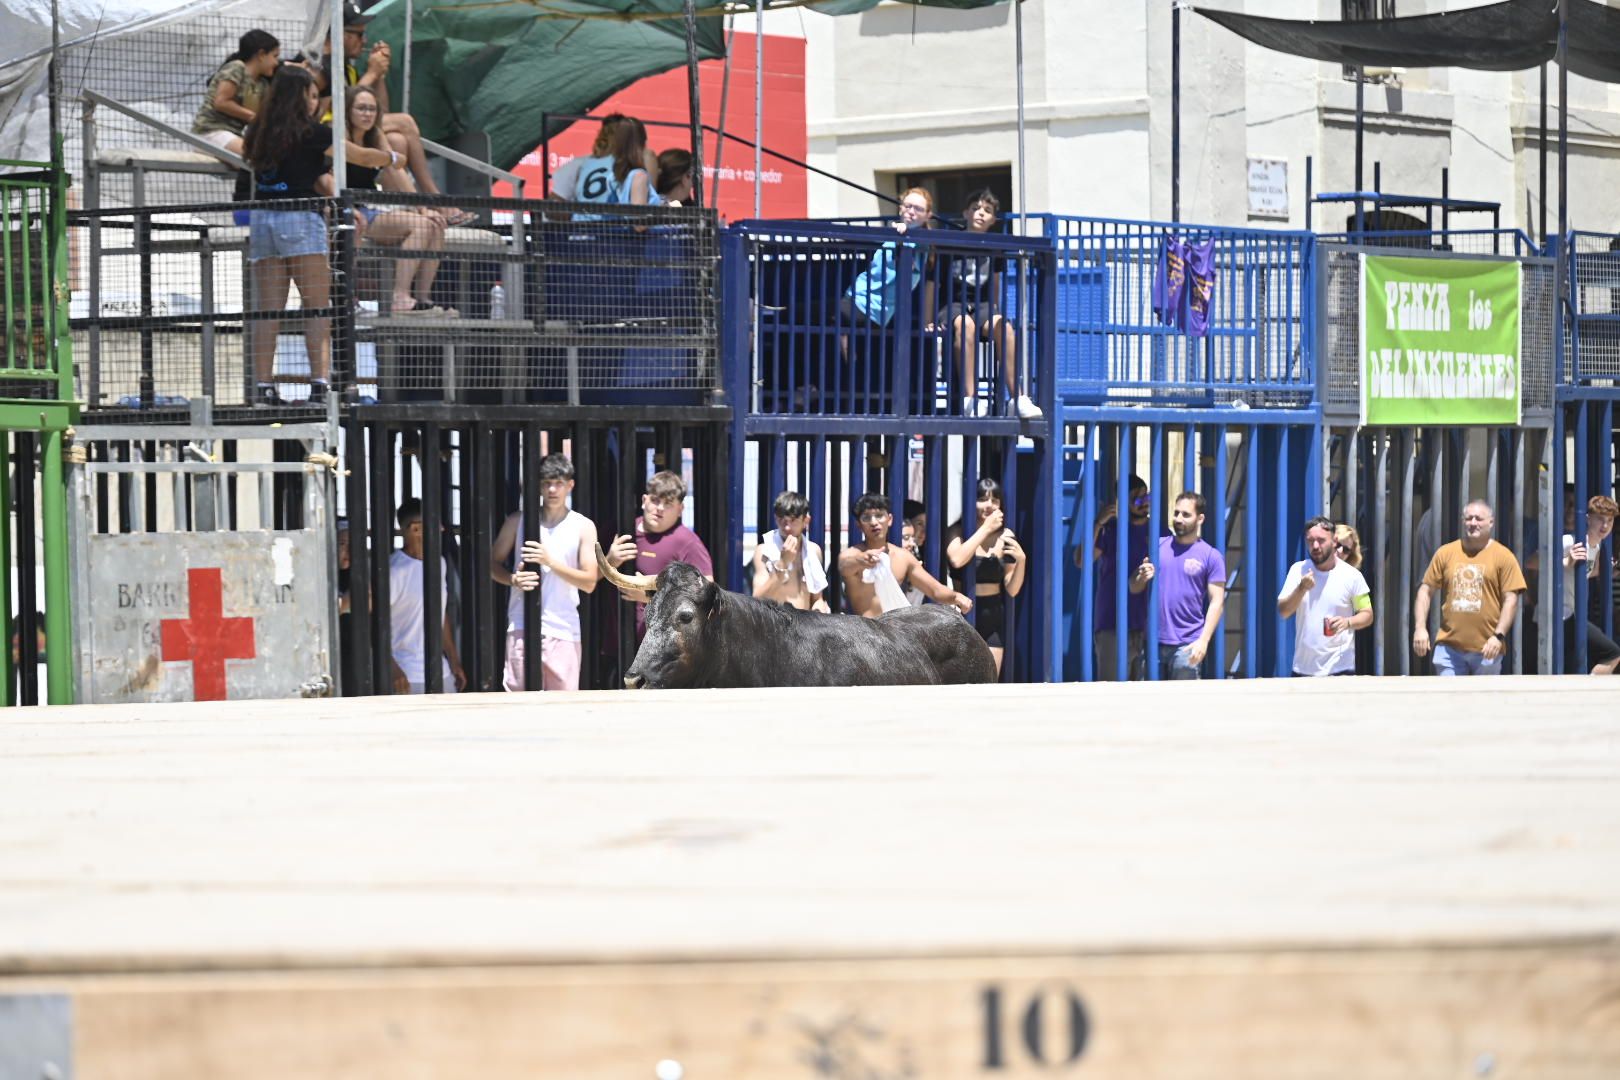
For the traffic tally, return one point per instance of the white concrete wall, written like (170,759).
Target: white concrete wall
(901,88)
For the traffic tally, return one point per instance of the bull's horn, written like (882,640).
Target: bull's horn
(637,587)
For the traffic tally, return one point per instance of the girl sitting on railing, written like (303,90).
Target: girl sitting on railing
(290,155)
(237,90)
(413,228)
(973,312)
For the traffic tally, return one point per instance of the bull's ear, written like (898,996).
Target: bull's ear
(709,599)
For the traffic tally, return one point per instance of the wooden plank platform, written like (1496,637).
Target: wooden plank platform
(1347,877)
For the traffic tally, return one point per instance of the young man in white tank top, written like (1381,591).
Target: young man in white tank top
(559,558)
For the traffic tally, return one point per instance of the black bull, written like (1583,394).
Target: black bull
(700,635)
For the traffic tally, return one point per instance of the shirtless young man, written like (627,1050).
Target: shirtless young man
(876,573)
(788,565)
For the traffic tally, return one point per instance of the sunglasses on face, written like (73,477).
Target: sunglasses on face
(1142,500)
(1345,549)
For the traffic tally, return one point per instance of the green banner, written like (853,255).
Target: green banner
(1440,341)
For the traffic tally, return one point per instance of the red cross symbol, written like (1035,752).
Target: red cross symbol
(206,639)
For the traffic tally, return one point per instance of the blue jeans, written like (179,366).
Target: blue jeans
(1174,664)
(286,234)
(1450,661)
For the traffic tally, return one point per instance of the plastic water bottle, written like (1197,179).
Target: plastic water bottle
(497,302)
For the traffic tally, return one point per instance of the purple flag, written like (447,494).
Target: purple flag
(1199,290)
(1170,281)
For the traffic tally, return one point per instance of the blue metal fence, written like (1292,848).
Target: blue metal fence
(1111,346)
(864,321)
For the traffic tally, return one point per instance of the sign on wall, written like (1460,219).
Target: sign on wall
(1440,341)
(204,616)
(1268,188)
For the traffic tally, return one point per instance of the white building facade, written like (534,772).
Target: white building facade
(902,91)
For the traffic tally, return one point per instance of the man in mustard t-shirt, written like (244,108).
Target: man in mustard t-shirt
(1482,583)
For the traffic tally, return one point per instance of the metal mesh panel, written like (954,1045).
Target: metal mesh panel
(163,73)
(1595,295)
(1341,330)
(1461,241)
(168,304)
(1111,344)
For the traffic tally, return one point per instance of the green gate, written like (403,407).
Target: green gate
(37,413)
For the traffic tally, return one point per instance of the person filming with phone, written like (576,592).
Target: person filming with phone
(1332,601)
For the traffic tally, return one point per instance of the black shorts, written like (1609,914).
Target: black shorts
(982,313)
(1599,648)
(990,619)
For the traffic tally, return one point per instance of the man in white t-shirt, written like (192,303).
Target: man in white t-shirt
(1332,601)
(563,547)
(407,610)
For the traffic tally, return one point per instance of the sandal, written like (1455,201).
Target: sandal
(454,219)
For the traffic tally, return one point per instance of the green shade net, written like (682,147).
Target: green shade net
(498,65)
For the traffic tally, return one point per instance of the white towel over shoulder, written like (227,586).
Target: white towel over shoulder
(881,578)
(815,575)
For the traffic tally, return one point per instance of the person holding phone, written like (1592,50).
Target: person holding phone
(1332,601)
(994,561)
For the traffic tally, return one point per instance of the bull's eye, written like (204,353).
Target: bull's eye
(684,617)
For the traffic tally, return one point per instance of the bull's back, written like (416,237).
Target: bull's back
(953,647)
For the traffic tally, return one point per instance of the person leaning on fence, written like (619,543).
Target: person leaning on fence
(870,301)
(1329,601)
(974,289)
(659,537)
(1192,590)
(289,153)
(1104,557)
(407,610)
(788,565)
(1602,654)
(237,90)
(1482,583)
(876,572)
(413,228)
(565,554)
(994,561)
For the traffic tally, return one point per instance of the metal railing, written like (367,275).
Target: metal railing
(556,302)
(1111,346)
(830,321)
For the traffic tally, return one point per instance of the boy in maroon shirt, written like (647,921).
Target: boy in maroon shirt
(660,538)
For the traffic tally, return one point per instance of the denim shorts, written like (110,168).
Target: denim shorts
(285,234)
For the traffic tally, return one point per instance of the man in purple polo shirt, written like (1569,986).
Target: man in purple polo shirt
(1190,572)
(660,538)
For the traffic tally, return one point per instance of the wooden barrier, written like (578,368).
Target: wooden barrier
(1346,877)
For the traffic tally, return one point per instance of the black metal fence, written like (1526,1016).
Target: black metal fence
(537,303)
(470,474)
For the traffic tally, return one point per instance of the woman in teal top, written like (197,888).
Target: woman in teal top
(870,301)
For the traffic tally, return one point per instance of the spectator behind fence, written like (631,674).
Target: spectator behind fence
(876,572)
(1192,590)
(674,184)
(237,90)
(400,130)
(414,228)
(1331,600)
(1602,654)
(565,182)
(870,301)
(1104,556)
(566,556)
(289,153)
(788,565)
(973,297)
(407,610)
(1482,582)
(622,176)
(659,538)
(998,565)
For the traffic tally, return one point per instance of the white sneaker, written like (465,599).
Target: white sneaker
(972,406)
(1026,409)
